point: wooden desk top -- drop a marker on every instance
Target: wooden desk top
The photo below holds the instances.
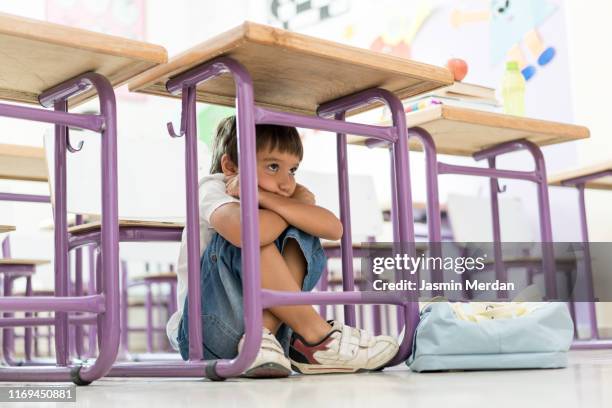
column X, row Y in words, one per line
column 7, row 228
column 19, row 261
column 463, row 132
column 603, row 183
column 294, row 72
column 22, row 162
column 420, row 246
column 92, row 226
column 156, row 276
column 37, row 55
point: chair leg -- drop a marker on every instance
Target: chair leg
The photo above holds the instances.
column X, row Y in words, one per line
column 323, row 287
column 124, row 309
column 28, row 330
column 149, row 314
column 35, row 339
column 78, row 290
column 91, row 288
column 99, row 289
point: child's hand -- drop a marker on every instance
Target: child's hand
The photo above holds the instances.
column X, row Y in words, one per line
column 232, row 186
column 303, row 195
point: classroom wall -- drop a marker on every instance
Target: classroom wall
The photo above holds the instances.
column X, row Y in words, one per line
column 566, row 92
column 588, row 29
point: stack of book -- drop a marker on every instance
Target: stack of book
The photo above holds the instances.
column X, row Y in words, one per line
column 459, row 94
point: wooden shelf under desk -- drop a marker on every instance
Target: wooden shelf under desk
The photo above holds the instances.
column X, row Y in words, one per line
column 19, row 261
column 294, row 72
column 602, row 183
column 37, row 55
column 155, row 277
column 23, row 163
column 370, row 246
column 93, row 226
column 7, row 228
column 463, row 132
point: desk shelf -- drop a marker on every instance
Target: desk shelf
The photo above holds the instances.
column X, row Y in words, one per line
column 602, row 183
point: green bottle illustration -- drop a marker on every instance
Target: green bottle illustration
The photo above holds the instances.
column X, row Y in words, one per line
column 513, row 90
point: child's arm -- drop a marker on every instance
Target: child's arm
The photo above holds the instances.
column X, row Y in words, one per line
column 226, row 221
column 301, row 213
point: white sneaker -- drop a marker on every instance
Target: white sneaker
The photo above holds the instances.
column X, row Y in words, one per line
column 344, row 350
column 271, row 361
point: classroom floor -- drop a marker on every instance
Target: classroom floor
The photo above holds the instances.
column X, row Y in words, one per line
column 587, row 382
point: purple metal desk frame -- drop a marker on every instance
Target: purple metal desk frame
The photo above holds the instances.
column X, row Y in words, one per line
column 75, row 337
column 336, row 252
column 150, row 303
column 126, row 234
column 106, row 302
column 9, row 274
column 538, row 176
column 255, row 298
column 594, row 342
column 8, row 334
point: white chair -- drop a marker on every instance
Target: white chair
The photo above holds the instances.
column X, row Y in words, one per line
column 151, row 201
column 366, row 225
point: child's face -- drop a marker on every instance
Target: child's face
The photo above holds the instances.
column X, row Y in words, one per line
column 276, row 171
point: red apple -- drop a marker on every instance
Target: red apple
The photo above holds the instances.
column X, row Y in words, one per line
column 458, row 67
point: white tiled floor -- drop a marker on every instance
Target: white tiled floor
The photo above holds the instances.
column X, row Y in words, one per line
column 587, row 382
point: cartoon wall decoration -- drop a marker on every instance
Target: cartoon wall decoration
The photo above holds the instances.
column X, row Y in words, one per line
column 401, row 30
column 513, row 24
column 124, row 18
column 296, row 14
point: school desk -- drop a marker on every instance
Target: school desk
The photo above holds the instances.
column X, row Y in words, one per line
column 485, row 135
column 595, row 177
column 57, row 67
column 284, row 78
column 23, row 163
column 12, row 269
column 6, row 228
column 170, row 305
column 20, row 163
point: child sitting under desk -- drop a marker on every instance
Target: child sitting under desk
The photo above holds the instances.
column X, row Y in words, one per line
column 292, row 259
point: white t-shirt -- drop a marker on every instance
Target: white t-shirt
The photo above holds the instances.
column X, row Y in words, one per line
column 212, row 196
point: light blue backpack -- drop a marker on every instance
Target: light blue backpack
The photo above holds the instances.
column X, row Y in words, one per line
column 491, row 336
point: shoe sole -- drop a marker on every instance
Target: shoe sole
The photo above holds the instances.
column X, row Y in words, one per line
column 267, row 370
column 313, row 369
column 332, row 369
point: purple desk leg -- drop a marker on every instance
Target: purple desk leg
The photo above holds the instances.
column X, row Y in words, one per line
column 28, row 330
column 323, row 287
column 124, row 350
column 78, row 289
column 60, row 260
column 91, row 288
column 149, row 314
column 402, row 197
column 8, row 333
column 594, row 342
column 348, row 275
column 500, row 270
column 106, row 304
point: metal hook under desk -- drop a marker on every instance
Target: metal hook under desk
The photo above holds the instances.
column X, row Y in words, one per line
column 184, row 108
column 69, row 146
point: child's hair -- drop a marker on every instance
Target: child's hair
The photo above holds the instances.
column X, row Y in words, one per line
column 283, row 138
